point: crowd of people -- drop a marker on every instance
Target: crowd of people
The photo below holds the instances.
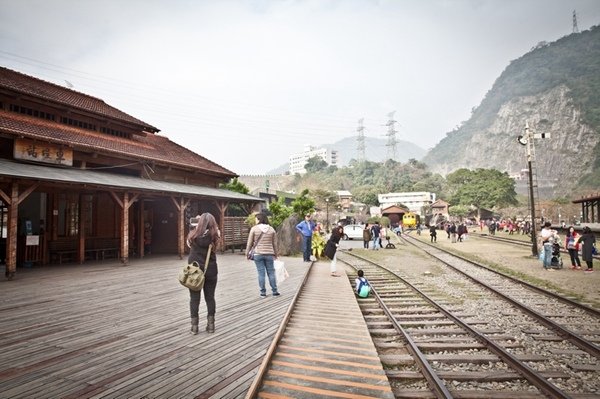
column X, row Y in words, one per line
column 262, row 248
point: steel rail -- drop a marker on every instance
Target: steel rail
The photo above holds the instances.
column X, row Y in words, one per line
column 513, row 241
column 527, row 372
column 589, row 309
column 254, row 388
column 435, row 382
column 565, row 333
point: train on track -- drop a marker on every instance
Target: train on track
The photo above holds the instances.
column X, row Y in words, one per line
column 410, row 220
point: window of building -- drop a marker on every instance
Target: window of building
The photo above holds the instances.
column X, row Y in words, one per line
column 3, row 220
column 31, row 112
column 68, row 215
column 77, row 123
column 114, row 132
column 88, row 210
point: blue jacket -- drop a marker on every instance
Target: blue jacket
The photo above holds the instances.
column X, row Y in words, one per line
column 306, row 228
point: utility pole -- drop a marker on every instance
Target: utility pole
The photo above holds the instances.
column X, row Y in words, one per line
column 361, row 140
column 391, row 144
column 527, row 140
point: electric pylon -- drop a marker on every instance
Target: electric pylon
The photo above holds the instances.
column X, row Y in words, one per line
column 391, row 143
column 361, row 140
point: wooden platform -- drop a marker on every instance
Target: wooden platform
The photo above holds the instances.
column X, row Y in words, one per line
column 102, row 330
column 326, row 349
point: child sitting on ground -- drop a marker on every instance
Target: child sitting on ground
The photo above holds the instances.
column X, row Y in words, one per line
column 362, row 286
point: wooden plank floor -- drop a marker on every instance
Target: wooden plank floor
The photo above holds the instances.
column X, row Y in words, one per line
column 102, row 330
column 326, row 349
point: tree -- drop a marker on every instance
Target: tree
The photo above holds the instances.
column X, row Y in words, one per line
column 367, row 195
column 279, row 212
column 238, row 187
column 235, row 185
column 315, row 164
column 483, row 188
column 303, row 204
column 459, row 211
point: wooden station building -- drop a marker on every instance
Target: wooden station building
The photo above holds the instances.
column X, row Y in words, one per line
column 590, row 208
column 80, row 180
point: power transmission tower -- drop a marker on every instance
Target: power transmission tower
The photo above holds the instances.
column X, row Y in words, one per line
column 575, row 28
column 361, row 140
column 391, row 143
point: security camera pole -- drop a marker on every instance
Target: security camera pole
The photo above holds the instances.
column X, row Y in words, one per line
column 527, row 140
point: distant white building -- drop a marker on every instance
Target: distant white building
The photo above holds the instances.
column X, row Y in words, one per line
column 297, row 161
column 414, row 201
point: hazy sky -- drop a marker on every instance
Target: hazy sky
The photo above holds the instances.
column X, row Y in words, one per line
column 247, row 83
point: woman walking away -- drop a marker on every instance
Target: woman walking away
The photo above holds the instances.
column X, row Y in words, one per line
column 433, row 233
column 199, row 240
column 263, row 239
column 573, row 247
column 331, row 248
column 589, row 241
column 366, row 236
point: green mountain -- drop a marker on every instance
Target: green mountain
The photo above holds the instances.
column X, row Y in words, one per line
column 554, row 88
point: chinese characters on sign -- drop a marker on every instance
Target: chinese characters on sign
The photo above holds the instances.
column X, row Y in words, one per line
column 43, row 152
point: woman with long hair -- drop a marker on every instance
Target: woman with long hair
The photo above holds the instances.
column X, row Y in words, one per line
column 332, row 245
column 199, row 239
column 588, row 240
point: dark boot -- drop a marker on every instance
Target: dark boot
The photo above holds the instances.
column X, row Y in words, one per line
column 210, row 324
column 194, row 325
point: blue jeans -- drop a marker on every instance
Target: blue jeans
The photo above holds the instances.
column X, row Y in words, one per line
column 547, row 255
column 376, row 242
column 306, row 247
column 264, row 263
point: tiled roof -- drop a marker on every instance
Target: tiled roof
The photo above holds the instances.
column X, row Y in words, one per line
column 35, row 87
column 150, row 147
column 74, row 175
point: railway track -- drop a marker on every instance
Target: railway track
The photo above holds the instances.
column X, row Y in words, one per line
column 518, row 242
column 538, row 342
column 456, row 330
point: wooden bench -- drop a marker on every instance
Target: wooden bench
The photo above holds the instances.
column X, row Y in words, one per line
column 101, row 248
column 62, row 250
column 95, row 248
column 235, row 232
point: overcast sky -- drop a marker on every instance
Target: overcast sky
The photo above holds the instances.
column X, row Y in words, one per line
column 247, row 83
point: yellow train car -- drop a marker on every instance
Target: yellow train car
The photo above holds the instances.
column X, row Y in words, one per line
column 410, row 220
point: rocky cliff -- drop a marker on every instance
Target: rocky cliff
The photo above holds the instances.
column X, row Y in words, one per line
column 550, row 90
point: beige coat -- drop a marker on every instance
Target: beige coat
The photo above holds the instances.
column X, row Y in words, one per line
column 268, row 242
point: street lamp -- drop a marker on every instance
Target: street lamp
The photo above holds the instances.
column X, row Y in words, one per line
column 327, row 214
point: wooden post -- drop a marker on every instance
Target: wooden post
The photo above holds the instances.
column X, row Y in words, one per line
column 81, row 232
column 13, row 202
column 11, row 242
column 141, row 231
column 124, row 224
column 222, row 207
column 180, row 206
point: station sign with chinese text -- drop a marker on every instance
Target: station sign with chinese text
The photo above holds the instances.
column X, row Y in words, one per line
column 36, row 151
